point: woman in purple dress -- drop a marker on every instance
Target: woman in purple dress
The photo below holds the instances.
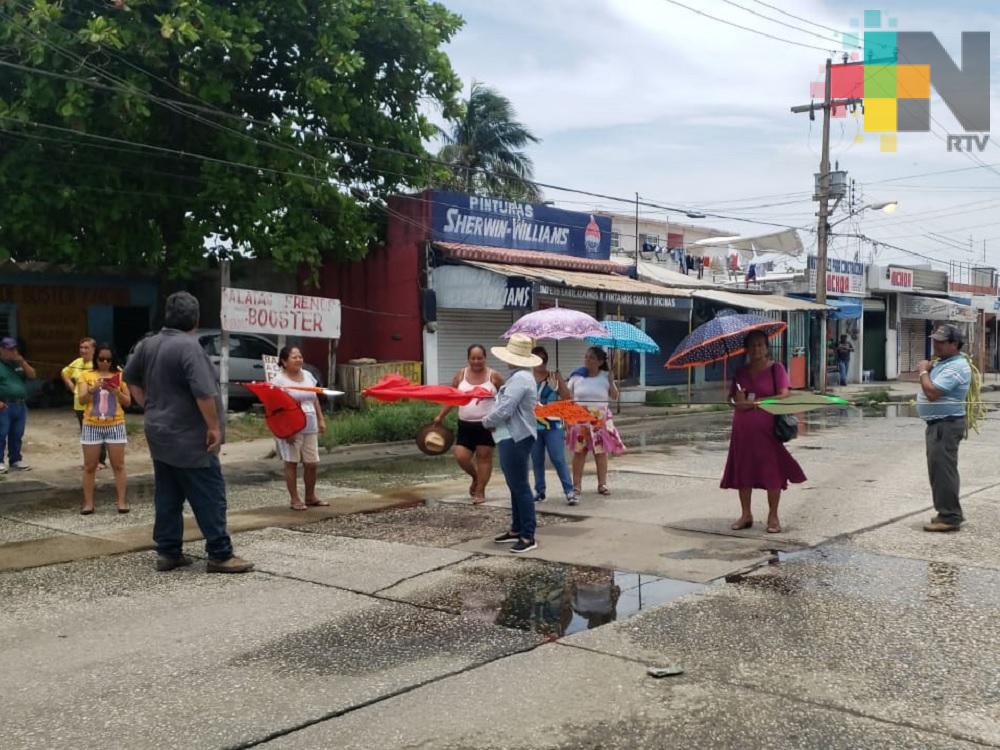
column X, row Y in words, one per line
column 756, row 459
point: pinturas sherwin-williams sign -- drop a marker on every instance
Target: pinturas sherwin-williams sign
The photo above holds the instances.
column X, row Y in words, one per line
column 515, row 225
column 250, row 311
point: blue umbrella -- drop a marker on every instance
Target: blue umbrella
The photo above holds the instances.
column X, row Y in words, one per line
column 624, row 336
column 721, row 338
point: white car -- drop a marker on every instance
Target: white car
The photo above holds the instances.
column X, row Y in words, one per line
column 245, row 363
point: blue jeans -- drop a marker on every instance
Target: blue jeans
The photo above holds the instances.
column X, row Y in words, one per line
column 514, row 464
column 205, row 490
column 842, row 368
column 13, row 419
column 553, row 441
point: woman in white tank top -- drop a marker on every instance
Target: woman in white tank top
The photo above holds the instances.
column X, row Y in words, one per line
column 474, row 443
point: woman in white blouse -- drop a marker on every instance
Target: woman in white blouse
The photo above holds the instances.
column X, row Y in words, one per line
column 592, row 387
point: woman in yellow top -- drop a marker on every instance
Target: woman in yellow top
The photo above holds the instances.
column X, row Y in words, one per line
column 71, row 376
column 104, row 396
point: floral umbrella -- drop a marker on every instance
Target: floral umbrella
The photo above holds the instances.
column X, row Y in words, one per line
column 557, row 323
column 624, row 337
column 721, row 338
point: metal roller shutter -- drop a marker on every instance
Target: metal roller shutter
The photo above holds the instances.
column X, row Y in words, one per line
column 913, row 344
column 457, row 330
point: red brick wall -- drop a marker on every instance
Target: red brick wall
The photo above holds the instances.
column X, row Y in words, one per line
column 380, row 295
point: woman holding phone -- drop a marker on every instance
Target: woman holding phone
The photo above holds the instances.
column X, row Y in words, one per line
column 104, row 397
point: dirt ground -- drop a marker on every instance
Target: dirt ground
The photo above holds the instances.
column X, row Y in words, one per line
column 52, row 445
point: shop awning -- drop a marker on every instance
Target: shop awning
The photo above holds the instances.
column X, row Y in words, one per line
column 600, row 287
column 841, row 308
column 934, row 308
column 766, row 302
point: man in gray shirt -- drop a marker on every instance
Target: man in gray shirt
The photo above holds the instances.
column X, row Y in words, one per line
column 171, row 376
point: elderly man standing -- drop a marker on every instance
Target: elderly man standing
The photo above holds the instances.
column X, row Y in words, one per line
column 14, row 371
column 172, row 377
column 941, row 404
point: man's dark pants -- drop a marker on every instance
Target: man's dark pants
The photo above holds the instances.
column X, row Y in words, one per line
column 205, row 490
column 514, row 458
column 942, row 438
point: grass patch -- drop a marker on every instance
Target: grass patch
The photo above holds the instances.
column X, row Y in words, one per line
column 663, row 397
column 384, row 423
column 876, row 397
column 247, row 426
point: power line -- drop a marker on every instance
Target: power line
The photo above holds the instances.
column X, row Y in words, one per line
column 747, row 28
column 797, row 18
column 782, row 23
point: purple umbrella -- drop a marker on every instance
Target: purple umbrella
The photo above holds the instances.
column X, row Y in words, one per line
column 557, row 323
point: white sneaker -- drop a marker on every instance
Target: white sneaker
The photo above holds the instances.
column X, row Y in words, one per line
column 573, row 498
column 20, row 466
column 3, row 468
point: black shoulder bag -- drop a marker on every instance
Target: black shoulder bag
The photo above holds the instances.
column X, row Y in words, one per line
column 786, row 427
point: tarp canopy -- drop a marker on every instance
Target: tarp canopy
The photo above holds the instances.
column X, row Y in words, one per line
column 842, row 308
column 786, row 242
column 765, row 302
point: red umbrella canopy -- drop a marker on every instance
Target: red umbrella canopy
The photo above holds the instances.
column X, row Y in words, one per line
column 282, row 413
column 396, row 388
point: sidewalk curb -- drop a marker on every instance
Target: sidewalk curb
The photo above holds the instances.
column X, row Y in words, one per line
column 236, row 473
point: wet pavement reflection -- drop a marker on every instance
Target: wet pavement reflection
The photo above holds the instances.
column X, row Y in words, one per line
column 558, row 600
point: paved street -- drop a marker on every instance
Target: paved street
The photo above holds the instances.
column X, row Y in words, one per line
column 406, row 627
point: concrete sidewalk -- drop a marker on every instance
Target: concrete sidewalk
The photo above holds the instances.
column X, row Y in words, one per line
column 409, row 628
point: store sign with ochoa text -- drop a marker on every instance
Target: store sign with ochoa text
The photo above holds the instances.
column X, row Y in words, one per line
column 513, row 225
column 843, row 277
column 250, row 311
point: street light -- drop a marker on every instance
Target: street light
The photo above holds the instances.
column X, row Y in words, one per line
column 886, row 207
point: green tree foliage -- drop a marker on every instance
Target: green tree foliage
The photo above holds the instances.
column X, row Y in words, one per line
column 279, row 97
column 485, row 149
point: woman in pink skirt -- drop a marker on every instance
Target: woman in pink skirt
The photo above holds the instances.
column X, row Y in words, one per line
column 592, row 387
column 756, row 459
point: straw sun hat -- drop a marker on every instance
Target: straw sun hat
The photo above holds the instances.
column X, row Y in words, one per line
column 435, row 439
column 517, row 353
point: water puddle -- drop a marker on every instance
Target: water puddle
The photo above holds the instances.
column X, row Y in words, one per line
column 558, row 600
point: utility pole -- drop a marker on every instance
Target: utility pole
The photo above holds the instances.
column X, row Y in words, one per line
column 823, row 229
column 637, row 235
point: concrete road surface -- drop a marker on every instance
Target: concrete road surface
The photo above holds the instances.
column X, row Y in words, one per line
column 407, row 627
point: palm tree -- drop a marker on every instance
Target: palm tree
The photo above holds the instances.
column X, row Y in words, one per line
column 484, row 149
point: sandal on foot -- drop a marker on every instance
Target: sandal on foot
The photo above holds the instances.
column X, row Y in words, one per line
column 478, row 499
column 86, row 511
column 299, row 506
column 740, row 525
column 602, row 489
column 317, row 503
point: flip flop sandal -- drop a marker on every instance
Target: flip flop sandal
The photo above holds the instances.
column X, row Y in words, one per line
column 478, row 500
column 302, row 506
column 602, row 489
column 318, row 504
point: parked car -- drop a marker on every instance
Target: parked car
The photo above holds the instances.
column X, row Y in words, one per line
column 245, row 363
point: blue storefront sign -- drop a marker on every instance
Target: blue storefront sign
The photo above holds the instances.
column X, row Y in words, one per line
column 494, row 222
column 517, row 294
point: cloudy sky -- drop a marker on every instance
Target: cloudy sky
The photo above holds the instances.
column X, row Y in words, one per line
column 647, row 96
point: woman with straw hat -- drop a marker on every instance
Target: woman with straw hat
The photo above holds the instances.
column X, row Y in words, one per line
column 512, row 421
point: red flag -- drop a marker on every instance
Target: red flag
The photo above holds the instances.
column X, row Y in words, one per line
column 396, row 388
column 282, row 413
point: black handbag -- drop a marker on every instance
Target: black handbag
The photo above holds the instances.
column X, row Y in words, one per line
column 786, row 427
